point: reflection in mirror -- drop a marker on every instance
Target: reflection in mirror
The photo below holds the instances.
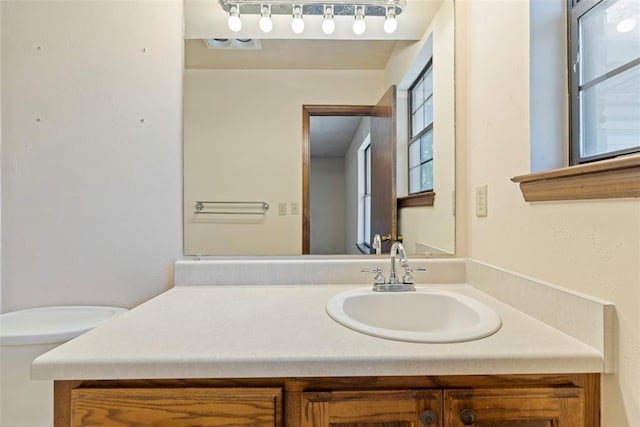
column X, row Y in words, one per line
column 361, row 200
column 339, row 183
column 243, row 130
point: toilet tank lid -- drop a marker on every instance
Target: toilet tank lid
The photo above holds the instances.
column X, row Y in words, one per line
column 54, row 324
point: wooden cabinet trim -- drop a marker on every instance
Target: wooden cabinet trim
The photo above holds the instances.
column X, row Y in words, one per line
column 607, row 179
column 307, row 112
column 368, row 408
column 157, row 406
column 351, row 383
column 293, row 389
column 355, row 395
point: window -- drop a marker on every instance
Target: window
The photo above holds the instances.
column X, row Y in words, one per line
column 421, row 132
column 604, row 88
column 365, row 221
column 604, row 44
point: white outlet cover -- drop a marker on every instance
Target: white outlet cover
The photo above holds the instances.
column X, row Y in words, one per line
column 481, row 201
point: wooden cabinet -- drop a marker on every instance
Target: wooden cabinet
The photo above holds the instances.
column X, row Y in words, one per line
column 561, row 400
column 522, row 407
column 529, row 407
column 384, row 408
column 173, row 407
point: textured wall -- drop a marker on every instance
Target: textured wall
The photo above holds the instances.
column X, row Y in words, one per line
column 588, row 246
column 91, row 129
column 327, row 202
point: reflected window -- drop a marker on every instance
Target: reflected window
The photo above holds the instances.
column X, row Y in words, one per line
column 365, row 220
column 421, row 132
column 605, row 78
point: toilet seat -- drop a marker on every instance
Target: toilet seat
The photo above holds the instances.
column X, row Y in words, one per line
column 54, row 324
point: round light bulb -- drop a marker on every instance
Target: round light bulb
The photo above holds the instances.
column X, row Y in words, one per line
column 266, row 24
column 359, row 26
column 626, row 25
column 390, row 24
column 328, row 25
column 234, row 22
column 297, row 24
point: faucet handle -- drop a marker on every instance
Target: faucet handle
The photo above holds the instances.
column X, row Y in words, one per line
column 408, row 277
column 377, row 244
column 379, row 278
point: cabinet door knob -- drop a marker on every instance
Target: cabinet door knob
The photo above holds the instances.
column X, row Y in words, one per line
column 468, row 417
column 428, row 418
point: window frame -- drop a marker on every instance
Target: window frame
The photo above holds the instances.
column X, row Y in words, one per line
column 612, row 178
column 576, row 9
column 429, row 128
column 366, row 194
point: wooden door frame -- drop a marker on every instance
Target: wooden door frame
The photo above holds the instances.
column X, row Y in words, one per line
column 307, row 112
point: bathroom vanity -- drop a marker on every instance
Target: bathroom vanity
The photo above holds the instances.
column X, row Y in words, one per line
column 489, row 400
column 269, row 355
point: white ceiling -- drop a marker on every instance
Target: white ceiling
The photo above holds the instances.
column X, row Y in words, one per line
column 295, row 54
column 330, row 136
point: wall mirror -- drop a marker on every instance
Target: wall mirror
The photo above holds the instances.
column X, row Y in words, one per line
column 247, row 97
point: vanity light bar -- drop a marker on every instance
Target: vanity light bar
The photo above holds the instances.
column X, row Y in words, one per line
column 388, row 9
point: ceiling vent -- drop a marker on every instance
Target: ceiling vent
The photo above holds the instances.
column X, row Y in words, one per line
column 235, row 44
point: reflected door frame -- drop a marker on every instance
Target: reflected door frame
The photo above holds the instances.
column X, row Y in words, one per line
column 307, row 112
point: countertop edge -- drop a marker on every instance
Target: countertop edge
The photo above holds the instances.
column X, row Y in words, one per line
column 84, row 358
column 337, row 368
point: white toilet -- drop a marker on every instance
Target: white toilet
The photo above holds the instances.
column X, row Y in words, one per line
column 25, row 335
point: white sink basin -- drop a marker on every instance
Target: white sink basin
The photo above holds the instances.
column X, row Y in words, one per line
column 427, row 315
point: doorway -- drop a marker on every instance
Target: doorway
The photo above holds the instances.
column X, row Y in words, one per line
column 327, row 177
column 383, row 211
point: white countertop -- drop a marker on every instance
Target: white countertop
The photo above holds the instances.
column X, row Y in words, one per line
column 284, row 331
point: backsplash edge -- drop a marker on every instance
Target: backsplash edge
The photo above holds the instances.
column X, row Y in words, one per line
column 585, row 318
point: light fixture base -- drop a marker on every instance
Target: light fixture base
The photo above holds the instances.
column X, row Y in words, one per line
column 316, row 7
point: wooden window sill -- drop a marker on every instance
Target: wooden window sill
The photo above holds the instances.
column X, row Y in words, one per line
column 606, row 179
column 421, row 199
column 364, row 248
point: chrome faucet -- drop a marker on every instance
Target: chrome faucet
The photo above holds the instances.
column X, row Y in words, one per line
column 394, row 284
column 395, row 249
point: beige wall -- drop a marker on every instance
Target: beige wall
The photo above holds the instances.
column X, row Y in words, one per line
column 433, row 226
column 1, row 80
column 327, row 204
column 588, row 246
column 242, row 141
column 90, row 194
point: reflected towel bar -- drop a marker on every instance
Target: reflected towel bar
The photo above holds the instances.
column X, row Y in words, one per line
column 232, row 208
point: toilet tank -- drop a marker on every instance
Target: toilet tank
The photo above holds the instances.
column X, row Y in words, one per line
column 25, row 335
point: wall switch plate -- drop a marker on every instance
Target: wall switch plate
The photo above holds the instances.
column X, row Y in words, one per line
column 282, row 208
column 453, row 202
column 481, row 201
column 295, row 208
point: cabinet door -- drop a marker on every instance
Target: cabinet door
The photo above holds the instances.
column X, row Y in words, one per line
column 545, row 407
column 403, row 408
column 172, row 407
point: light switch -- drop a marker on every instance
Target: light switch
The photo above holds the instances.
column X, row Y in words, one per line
column 282, row 208
column 481, row 201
